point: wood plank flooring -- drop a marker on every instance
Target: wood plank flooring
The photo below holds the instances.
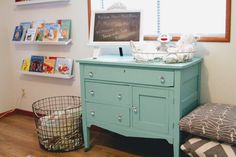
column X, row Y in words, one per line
column 18, row 138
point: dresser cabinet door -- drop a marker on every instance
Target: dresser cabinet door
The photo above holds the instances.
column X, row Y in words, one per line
column 151, row 110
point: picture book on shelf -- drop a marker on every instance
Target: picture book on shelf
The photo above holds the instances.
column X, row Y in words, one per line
column 36, row 63
column 38, row 23
column 51, row 31
column 65, row 29
column 31, row 34
column 26, row 26
column 49, row 64
column 64, row 66
column 18, row 33
column 39, row 34
column 25, row 64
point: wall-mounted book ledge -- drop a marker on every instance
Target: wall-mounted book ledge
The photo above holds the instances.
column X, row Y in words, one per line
column 43, row 42
column 47, row 75
column 31, row 2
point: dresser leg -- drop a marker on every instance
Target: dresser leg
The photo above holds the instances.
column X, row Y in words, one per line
column 86, row 133
column 176, row 145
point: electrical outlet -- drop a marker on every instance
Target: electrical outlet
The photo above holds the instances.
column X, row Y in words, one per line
column 22, row 92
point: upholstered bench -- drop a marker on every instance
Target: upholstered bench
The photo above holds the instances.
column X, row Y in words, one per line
column 215, row 126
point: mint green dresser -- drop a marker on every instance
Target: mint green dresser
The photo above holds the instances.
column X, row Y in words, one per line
column 138, row 99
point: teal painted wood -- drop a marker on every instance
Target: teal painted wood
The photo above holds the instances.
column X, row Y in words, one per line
column 129, row 61
column 151, row 110
column 112, row 94
column 127, row 74
column 138, row 99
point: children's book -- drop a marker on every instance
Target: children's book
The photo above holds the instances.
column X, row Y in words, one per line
column 26, row 26
column 36, row 63
column 39, row 35
column 51, row 31
column 65, row 29
column 18, row 33
column 38, row 24
column 25, row 64
column 31, row 34
column 64, row 66
column 49, row 64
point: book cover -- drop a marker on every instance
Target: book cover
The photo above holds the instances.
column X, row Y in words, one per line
column 64, row 66
column 26, row 26
column 49, row 64
column 25, row 64
column 31, row 34
column 38, row 24
column 51, row 31
column 36, row 63
column 65, row 29
column 18, row 33
column 39, row 34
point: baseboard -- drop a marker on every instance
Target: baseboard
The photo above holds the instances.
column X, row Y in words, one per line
column 7, row 113
column 24, row 112
column 16, row 111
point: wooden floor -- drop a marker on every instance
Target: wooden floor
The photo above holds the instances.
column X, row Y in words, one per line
column 18, row 138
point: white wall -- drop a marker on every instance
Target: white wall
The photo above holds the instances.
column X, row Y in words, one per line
column 218, row 70
column 40, row 87
column 6, row 98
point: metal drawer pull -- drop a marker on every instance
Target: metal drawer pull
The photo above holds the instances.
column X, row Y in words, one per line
column 120, row 118
column 92, row 92
column 135, row 110
column 90, row 74
column 119, row 96
column 162, row 79
column 92, row 113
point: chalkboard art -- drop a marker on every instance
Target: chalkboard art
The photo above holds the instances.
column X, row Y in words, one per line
column 120, row 27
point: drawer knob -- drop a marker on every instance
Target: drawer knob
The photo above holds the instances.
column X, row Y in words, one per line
column 119, row 96
column 135, row 110
column 162, row 79
column 92, row 113
column 92, row 92
column 120, row 118
column 90, row 74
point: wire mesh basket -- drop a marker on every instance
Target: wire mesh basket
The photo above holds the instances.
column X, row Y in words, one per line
column 59, row 123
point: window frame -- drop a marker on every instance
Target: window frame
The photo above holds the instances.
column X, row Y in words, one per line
column 226, row 38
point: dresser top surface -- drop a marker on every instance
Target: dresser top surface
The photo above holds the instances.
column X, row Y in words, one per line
column 129, row 61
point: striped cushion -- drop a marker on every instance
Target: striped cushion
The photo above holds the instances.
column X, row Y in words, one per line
column 197, row 147
column 213, row 121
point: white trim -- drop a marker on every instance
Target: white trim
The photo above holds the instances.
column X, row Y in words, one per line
column 47, row 75
column 43, row 42
column 30, row 2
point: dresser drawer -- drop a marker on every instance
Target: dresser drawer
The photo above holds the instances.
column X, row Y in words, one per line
column 108, row 114
column 107, row 93
column 133, row 75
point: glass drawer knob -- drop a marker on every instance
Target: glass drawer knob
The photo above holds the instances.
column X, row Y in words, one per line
column 92, row 113
column 135, row 110
column 119, row 96
column 92, row 92
column 119, row 118
column 91, row 74
column 162, row 79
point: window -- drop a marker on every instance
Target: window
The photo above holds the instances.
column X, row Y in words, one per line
column 208, row 18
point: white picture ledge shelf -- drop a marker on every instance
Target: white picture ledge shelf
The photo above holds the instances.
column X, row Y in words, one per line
column 47, row 75
column 31, row 2
column 43, row 42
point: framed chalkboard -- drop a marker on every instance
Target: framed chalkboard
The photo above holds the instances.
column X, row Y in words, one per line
column 115, row 27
